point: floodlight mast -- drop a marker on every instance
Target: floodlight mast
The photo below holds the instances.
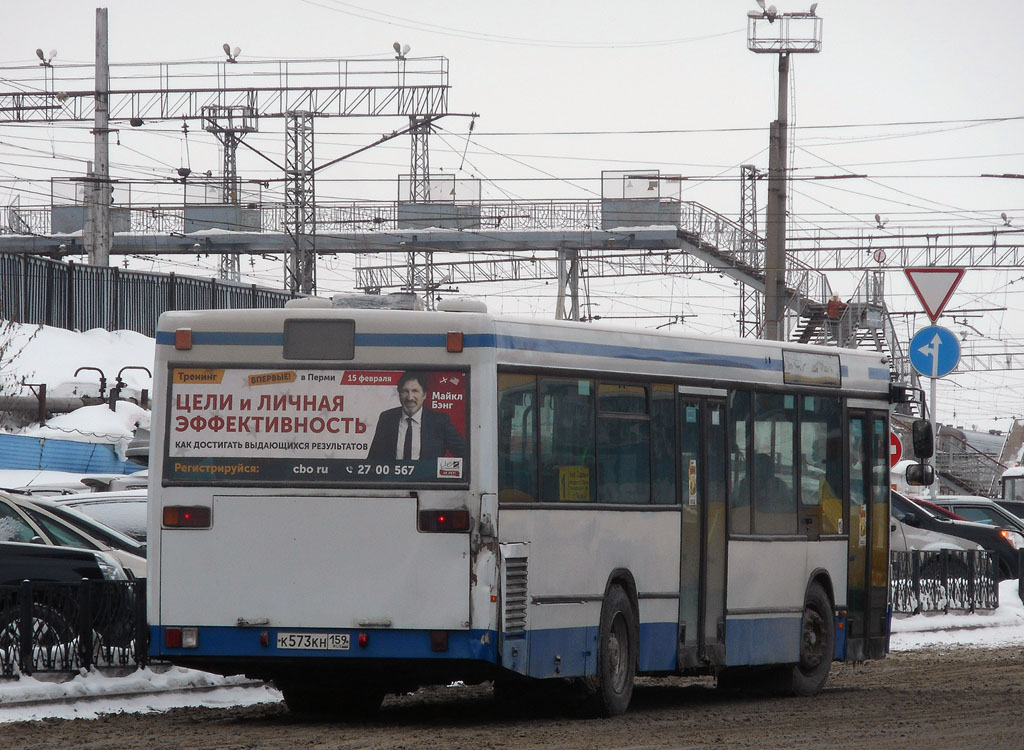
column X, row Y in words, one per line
column 769, row 31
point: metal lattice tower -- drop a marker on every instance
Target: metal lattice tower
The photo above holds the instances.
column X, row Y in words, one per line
column 751, row 308
column 568, row 304
column 300, row 203
column 230, row 124
column 419, row 275
column 420, row 265
column 419, row 162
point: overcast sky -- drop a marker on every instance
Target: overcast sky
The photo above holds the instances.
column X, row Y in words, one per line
column 922, row 97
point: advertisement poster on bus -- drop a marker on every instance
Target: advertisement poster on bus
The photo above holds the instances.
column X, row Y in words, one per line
column 242, row 425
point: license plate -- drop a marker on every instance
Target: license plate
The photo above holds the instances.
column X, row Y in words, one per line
column 314, row 641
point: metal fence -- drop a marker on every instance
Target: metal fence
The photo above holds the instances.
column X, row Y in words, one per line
column 64, row 627
column 41, row 290
column 943, row 580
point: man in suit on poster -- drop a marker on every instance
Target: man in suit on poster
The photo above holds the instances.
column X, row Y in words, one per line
column 411, row 432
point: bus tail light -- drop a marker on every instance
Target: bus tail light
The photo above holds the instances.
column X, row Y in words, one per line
column 183, row 339
column 438, row 640
column 444, row 520
column 454, row 341
column 181, row 638
column 187, row 517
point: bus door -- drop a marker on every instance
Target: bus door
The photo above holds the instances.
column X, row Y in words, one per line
column 868, row 524
column 703, row 541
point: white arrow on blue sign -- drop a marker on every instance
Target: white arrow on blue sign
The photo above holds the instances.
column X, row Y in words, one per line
column 934, row 351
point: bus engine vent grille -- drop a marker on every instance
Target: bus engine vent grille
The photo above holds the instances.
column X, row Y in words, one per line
column 515, row 594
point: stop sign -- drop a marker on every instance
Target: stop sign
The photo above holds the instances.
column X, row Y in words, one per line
column 895, row 449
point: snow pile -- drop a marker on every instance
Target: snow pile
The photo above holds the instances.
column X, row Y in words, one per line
column 44, row 354
column 94, row 424
column 92, row 694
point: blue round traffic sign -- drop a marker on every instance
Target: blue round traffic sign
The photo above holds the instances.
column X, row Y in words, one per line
column 934, row 351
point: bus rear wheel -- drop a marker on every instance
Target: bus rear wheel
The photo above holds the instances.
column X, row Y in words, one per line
column 817, row 644
column 618, row 642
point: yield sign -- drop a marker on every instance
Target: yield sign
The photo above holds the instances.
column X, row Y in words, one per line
column 934, row 287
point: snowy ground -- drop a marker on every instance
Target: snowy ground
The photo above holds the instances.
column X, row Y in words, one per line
column 91, row 695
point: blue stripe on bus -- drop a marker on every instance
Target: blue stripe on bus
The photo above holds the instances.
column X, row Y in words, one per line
column 522, row 343
column 762, row 640
column 489, row 341
column 572, row 652
column 556, row 652
column 514, row 343
column 224, row 338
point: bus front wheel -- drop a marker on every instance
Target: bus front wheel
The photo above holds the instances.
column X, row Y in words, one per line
column 618, row 641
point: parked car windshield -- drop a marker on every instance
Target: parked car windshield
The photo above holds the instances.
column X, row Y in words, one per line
column 125, row 513
column 92, row 527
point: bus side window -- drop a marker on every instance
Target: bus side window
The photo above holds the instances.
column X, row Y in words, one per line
column 821, row 462
column 517, row 437
column 739, row 471
column 623, row 444
column 774, row 466
column 566, row 426
column 663, row 442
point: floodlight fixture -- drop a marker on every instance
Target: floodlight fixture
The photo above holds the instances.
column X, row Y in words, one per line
column 45, row 60
column 231, row 53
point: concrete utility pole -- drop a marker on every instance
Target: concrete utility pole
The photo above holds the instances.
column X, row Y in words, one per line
column 775, row 220
column 784, row 34
column 99, row 235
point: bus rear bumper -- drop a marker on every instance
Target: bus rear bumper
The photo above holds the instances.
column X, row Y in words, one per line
column 234, row 643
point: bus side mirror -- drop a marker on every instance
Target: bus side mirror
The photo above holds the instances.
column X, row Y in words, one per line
column 924, row 445
column 920, row 475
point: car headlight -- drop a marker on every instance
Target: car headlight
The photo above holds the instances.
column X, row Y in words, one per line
column 1015, row 538
column 112, row 570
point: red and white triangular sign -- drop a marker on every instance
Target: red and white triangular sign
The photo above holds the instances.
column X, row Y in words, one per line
column 934, row 287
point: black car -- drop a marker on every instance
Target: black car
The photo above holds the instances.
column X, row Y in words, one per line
column 980, row 509
column 1014, row 506
column 1004, row 542
column 55, row 573
column 22, row 561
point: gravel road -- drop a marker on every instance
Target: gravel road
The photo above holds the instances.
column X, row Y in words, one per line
column 934, row 699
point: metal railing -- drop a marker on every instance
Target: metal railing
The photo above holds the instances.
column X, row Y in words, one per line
column 973, row 470
column 943, row 580
column 40, row 290
column 65, row 627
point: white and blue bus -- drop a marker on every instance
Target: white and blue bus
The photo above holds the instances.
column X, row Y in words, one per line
column 574, row 502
